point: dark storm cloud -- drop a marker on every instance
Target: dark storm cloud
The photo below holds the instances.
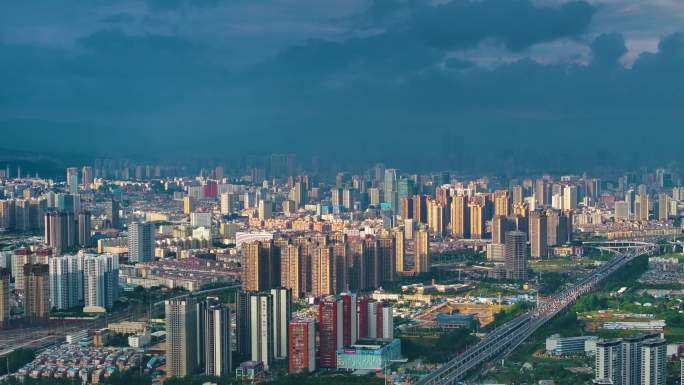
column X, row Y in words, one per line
column 518, row 24
column 172, row 5
column 145, row 79
column 461, row 23
column 422, row 39
column 380, row 9
column 670, row 49
column 119, row 18
column 607, row 49
column 116, row 43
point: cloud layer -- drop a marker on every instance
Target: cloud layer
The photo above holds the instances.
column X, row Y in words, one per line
column 404, row 81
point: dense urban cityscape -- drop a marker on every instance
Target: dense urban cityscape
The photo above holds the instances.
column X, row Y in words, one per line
column 342, row 192
column 264, row 273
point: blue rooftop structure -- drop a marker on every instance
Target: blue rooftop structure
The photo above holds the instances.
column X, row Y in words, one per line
column 456, row 321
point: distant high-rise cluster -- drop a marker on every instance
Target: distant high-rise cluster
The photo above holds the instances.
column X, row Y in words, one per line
column 266, row 331
column 87, row 280
column 316, row 251
column 323, row 265
column 64, row 231
column 22, row 214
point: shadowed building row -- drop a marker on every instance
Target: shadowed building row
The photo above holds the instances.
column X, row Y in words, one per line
column 321, row 265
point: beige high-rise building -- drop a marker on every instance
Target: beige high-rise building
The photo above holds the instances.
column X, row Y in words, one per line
column 399, row 249
column 517, row 194
column 553, row 221
column 663, row 207
column 299, row 194
column 36, row 292
column 420, row 208
column 570, row 197
column 181, row 337
column 429, row 203
column 259, row 266
column 500, row 225
column 349, row 198
column 477, row 219
column 538, row 234
column 4, row 297
column 541, row 192
column 644, row 203
column 406, row 208
column 435, row 217
column 322, row 271
column 460, row 217
column 422, row 246
column 226, row 201
column 502, row 202
column 18, row 262
column 252, row 266
column 265, row 209
column 374, row 196
column 290, row 269
column 336, row 197
column 188, row 205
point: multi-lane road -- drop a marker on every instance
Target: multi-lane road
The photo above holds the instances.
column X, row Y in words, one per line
column 507, row 337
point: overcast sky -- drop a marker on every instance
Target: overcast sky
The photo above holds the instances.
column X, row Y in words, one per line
column 382, row 79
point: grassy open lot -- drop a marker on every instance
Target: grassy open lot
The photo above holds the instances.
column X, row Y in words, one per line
column 555, row 264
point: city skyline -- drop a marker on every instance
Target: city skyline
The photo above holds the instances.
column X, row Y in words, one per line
column 405, row 192
column 341, row 272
